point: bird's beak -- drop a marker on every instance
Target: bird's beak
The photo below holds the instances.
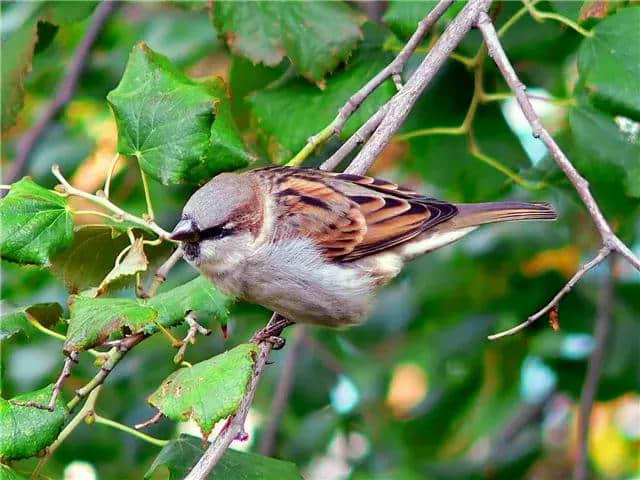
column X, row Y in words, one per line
column 185, row 230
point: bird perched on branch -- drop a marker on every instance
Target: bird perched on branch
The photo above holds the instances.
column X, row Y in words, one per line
column 314, row 246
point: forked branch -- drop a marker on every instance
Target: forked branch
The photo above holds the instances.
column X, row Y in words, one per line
column 610, row 242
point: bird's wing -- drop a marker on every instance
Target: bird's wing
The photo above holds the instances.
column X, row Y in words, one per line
column 349, row 216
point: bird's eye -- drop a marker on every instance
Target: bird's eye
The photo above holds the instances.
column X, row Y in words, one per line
column 213, row 233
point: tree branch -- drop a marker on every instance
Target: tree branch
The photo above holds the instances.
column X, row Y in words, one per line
column 106, row 203
column 400, row 105
column 393, row 70
column 235, row 425
column 267, row 443
column 610, row 242
column 449, row 40
column 599, row 258
column 594, row 369
column 65, row 91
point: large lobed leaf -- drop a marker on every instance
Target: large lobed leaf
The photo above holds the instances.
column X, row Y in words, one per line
column 208, row 391
column 18, row 46
column 94, row 320
column 609, row 62
column 283, row 135
column 199, row 295
column 24, row 431
column 180, row 455
column 36, row 223
column 316, row 36
column 180, row 130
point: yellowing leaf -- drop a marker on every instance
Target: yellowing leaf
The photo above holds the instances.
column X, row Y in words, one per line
column 407, row 389
column 565, row 260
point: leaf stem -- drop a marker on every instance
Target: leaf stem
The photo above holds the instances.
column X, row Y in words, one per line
column 96, row 213
column 131, row 431
column 86, row 410
column 540, row 16
column 112, row 167
column 38, row 326
column 321, row 137
column 104, row 202
column 147, row 192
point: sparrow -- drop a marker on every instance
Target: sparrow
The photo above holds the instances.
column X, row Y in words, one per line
column 315, row 246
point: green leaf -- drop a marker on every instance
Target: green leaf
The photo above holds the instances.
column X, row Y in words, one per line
column 183, row 36
column 403, row 17
column 180, row 455
column 27, row 430
column 227, row 146
column 94, row 320
column 198, row 295
column 90, row 258
column 167, row 121
column 208, row 391
column 246, row 77
column 284, row 135
column 36, row 223
column 7, row 473
column 17, row 53
column 316, row 36
column 18, row 46
column 46, row 314
column 606, row 143
column 134, row 261
column 609, row 63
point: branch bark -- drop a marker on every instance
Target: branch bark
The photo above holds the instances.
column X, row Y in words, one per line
column 440, row 52
column 594, row 369
column 235, row 427
column 402, row 103
column 393, row 70
column 610, row 242
column 281, row 397
column 66, row 89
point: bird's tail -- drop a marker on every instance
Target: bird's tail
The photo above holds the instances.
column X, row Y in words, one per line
column 472, row 214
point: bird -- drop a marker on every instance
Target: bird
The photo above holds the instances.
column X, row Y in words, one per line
column 316, row 246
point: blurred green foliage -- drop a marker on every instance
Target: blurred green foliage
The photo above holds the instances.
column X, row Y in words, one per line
column 416, row 392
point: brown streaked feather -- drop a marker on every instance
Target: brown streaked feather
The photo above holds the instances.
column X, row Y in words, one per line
column 350, row 216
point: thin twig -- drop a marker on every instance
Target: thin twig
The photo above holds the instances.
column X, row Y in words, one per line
column 594, row 368
column 400, row 105
column 65, row 91
column 555, row 301
column 356, row 139
column 106, row 203
column 86, row 410
column 283, row 391
column 114, row 356
column 162, row 272
column 235, row 425
column 66, row 371
column 609, row 239
column 610, row 242
column 194, row 329
column 151, row 421
column 393, row 70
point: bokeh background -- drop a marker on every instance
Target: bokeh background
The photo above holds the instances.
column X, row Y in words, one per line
column 418, row 391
